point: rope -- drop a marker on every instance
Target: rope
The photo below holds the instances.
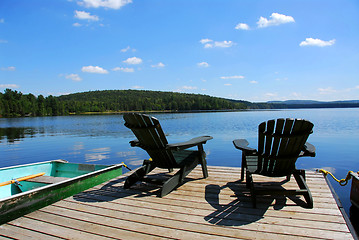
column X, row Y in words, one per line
column 126, row 166
column 130, row 168
column 343, row 181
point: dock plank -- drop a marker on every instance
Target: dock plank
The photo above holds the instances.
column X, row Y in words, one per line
column 218, row 207
column 14, row 232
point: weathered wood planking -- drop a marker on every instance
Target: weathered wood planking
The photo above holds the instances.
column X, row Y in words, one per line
column 218, row 207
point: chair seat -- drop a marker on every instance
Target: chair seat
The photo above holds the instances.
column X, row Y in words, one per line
column 252, row 167
column 183, row 157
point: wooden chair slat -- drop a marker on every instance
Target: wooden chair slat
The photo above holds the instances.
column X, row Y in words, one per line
column 276, row 142
column 261, row 140
column 268, row 145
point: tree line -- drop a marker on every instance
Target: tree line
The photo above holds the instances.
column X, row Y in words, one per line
column 16, row 104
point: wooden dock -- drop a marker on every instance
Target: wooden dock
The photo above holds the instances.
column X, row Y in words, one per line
column 218, row 207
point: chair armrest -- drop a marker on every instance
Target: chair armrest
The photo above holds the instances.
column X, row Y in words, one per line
column 242, row 144
column 308, row 150
column 135, row 143
column 188, row 144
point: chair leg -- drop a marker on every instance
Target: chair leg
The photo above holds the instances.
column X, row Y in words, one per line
column 299, row 176
column 250, row 185
column 248, row 180
column 203, row 161
column 177, row 179
column 244, row 166
column 138, row 174
column 288, row 178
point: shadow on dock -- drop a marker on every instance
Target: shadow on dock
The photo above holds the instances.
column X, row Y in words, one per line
column 113, row 189
column 238, row 212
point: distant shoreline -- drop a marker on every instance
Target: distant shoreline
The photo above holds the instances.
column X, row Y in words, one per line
column 201, row 111
column 16, row 104
column 189, row 111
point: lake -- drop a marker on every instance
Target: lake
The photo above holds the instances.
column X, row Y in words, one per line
column 103, row 139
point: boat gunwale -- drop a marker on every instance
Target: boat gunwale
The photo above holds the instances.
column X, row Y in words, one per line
column 64, row 182
column 35, row 163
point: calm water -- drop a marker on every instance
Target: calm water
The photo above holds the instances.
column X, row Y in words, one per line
column 103, row 139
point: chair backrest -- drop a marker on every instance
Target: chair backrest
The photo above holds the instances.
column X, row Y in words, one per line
column 151, row 138
column 279, row 145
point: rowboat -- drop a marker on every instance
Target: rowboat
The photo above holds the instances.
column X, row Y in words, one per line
column 26, row 188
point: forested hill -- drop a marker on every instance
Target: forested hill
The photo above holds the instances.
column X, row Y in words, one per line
column 14, row 103
column 140, row 100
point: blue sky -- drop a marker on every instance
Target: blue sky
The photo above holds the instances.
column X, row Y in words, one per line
column 248, row 50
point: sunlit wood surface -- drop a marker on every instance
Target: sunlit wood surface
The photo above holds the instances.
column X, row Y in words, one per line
column 218, row 207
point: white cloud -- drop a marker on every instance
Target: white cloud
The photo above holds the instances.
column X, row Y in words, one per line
column 271, row 95
column 74, row 77
column 253, row 82
column 8, row 68
column 275, row 19
column 77, row 24
column 316, row 42
column 133, row 60
column 3, row 41
column 114, row 4
column 85, row 16
column 2, row 20
column 189, row 87
column 125, row 49
column 327, row 90
column 128, row 48
column 158, row 65
column 232, row 77
column 9, row 86
column 137, row 87
column 206, row 40
column 203, row 64
column 208, row 43
column 223, row 44
column 94, row 69
column 123, row 69
column 227, row 84
column 296, row 95
column 242, row 26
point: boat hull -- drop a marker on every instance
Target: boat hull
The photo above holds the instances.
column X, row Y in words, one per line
column 354, row 191
column 20, row 204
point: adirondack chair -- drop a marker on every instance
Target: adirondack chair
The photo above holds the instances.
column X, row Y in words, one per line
column 280, row 143
column 151, row 138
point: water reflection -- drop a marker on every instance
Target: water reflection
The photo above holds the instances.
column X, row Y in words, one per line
column 92, row 125
column 13, row 134
column 97, row 154
column 79, row 146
